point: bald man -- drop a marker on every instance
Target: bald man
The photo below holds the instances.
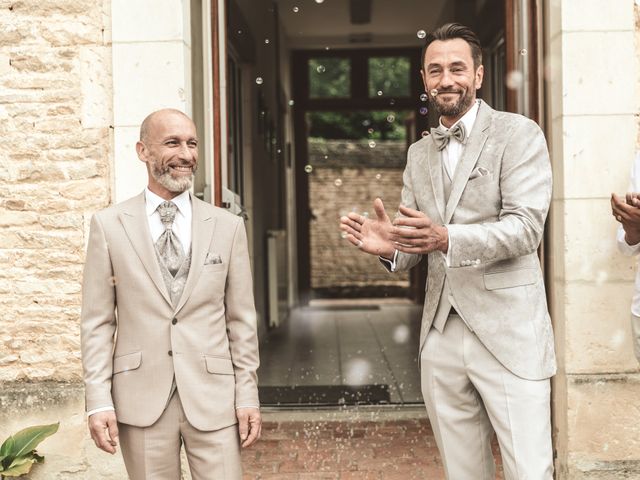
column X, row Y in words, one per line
column 169, row 337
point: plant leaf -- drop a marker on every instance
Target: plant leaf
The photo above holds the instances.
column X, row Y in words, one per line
column 19, row 469
column 28, row 439
column 6, row 447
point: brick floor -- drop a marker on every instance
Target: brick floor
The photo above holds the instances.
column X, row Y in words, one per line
column 342, row 449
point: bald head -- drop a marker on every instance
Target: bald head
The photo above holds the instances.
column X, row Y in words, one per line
column 157, row 118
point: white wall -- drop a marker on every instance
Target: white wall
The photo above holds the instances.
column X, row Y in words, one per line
column 151, row 70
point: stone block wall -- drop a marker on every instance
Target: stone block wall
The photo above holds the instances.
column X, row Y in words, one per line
column 55, row 117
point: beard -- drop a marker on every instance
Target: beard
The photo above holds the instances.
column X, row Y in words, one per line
column 162, row 174
column 465, row 100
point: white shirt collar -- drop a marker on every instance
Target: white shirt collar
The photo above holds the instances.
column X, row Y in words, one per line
column 182, row 201
column 468, row 119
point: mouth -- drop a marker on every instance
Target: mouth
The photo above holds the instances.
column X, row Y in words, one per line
column 181, row 169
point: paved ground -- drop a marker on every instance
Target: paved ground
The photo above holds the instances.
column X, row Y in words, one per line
column 345, row 445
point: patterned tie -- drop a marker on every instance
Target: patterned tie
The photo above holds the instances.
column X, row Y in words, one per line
column 442, row 137
column 168, row 245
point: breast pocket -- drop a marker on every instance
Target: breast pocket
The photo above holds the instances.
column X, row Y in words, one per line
column 214, row 267
column 479, row 181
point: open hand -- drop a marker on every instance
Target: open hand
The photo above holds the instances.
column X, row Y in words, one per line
column 370, row 235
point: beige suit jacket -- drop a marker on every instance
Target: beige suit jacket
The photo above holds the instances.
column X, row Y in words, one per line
column 134, row 341
column 495, row 216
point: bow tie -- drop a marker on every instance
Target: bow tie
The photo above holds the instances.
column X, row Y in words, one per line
column 442, row 137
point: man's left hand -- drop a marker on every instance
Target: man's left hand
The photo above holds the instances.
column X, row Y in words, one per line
column 627, row 213
column 249, row 425
column 422, row 236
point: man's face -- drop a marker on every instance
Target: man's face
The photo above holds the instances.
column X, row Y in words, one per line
column 448, row 67
column 170, row 151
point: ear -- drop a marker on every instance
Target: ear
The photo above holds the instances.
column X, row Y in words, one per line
column 141, row 150
column 479, row 76
column 424, row 79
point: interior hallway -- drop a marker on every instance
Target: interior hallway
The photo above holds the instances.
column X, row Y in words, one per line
column 339, row 352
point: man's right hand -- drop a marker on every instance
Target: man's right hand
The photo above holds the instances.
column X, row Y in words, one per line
column 370, row 235
column 103, row 427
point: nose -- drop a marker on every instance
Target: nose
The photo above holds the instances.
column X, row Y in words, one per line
column 185, row 152
column 446, row 80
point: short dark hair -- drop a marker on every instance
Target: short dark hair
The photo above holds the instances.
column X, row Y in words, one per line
column 449, row 31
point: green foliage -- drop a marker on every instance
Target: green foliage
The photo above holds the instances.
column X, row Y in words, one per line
column 389, row 76
column 18, row 454
column 374, row 125
column 329, row 78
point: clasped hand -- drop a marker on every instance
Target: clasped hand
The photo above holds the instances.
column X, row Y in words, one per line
column 627, row 212
column 413, row 232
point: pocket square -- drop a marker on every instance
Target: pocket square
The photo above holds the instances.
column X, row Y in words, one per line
column 479, row 172
column 212, row 259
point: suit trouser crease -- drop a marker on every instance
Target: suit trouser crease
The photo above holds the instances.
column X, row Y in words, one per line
column 469, row 395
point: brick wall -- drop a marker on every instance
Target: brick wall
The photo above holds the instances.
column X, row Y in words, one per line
column 343, row 180
column 55, row 116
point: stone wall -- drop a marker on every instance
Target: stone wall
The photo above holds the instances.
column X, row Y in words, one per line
column 55, row 117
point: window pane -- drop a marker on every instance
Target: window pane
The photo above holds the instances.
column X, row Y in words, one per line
column 389, row 77
column 329, row 77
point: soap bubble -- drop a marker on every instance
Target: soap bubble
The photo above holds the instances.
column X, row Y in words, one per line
column 401, row 334
column 338, row 182
column 370, row 131
column 319, row 1
column 434, row 92
column 266, row 41
column 424, row 111
column 291, row 103
column 308, row 168
column 320, row 69
column 357, row 372
column 259, row 80
column 421, row 34
column 523, row 51
column 391, row 118
column 296, row 9
column 372, row 144
column 424, row 97
column 378, row 176
column 514, row 80
column 380, row 93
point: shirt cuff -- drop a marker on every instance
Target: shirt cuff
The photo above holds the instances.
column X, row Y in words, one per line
column 391, row 263
column 247, row 406
column 101, row 409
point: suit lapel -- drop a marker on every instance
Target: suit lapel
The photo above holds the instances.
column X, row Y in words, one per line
column 468, row 159
column 434, row 159
column 202, row 226
column 135, row 223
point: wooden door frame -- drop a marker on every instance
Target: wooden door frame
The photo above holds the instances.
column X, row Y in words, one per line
column 217, row 34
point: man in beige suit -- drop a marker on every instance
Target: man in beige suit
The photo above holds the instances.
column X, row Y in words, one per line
column 169, row 342
column 475, row 197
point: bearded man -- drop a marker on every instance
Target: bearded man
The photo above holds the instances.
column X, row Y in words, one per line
column 168, row 323
column 475, row 198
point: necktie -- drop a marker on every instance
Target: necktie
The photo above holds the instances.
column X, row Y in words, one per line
column 168, row 245
column 442, row 137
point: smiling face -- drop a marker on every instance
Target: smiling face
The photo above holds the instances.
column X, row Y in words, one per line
column 169, row 147
column 449, row 69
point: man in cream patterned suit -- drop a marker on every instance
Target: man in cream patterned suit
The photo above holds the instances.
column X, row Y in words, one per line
column 169, row 341
column 475, row 197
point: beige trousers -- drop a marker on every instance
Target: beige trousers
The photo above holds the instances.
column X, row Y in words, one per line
column 469, row 395
column 153, row 453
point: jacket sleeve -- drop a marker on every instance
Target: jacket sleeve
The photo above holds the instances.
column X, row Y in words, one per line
column 97, row 320
column 242, row 321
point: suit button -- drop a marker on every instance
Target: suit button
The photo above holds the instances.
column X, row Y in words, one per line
column 170, row 353
column 174, row 321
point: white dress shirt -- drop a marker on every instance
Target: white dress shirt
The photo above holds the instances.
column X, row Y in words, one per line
column 450, row 157
column 623, row 246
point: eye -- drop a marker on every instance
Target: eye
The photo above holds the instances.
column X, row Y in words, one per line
column 171, row 143
column 192, row 144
